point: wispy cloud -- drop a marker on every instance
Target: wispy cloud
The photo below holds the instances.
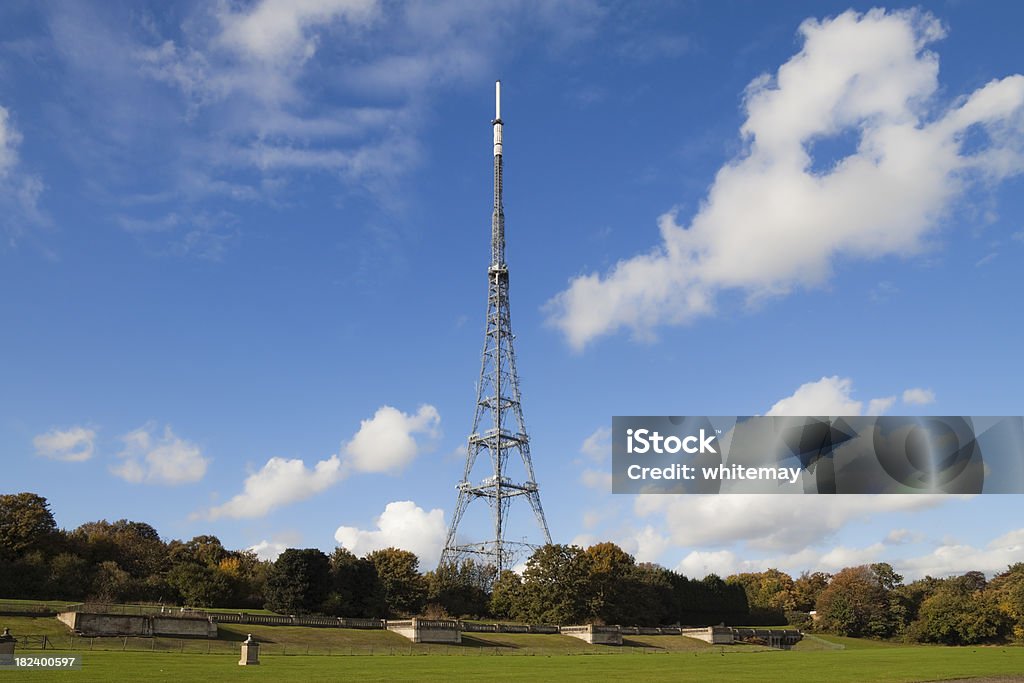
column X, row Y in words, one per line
column 19, row 189
column 75, row 444
column 235, row 101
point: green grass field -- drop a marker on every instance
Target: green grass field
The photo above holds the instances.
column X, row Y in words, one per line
column 888, row 664
column 321, row 654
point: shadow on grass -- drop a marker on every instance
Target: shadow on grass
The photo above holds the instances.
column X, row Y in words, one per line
column 470, row 641
column 626, row 642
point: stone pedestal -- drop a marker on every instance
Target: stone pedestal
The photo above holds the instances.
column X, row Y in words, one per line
column 7, row 647
column 250, row 652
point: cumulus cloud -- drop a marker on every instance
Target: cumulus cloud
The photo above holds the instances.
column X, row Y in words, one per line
column 769, row 522
column 159, row 459
column 828, row 396
column 700, row 563
column 945, row 559
column 70, row 445
column 773, row 220
column 268, row 550
column 280, row 482
column 386, row 442
column 957, row 558
column 880, row 406
column 403, row 524
column 918, row 397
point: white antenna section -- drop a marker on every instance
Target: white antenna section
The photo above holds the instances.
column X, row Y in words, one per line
column 497, row 118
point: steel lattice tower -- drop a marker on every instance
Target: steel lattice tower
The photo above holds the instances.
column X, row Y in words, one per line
column 498, row 426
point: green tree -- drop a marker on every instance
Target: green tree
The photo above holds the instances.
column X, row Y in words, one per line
column 612, row 592
column 886, row 576
column 807, row 588
column 355, row 587
column 26, row 524
column 70, row 577
column 405, row 590
column 200, row 585
column 769, row 593
column 247, row 576
column 112, row 584
column 1007, row 589
column 556, row 585
column 957, row 615
column 856, row 604
column 460, row 589
column 507, row 597
column 299, row 581
column 135, row 547
column 651, row 596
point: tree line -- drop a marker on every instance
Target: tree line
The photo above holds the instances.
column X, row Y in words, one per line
column 127, row 561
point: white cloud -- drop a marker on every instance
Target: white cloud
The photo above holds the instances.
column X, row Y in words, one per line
column 918, row 397
column 276, row 29
column 584, row 540
column 597, row 479
column 726, row 562
column 280, row 482
column 827, row 396
column 268, row 550
column 903, row 536
column 700, row 563
column 772, row 221
column 385, row 442
column 768, row 521
column 9, row 141
column 19, row 191
column 156, row 459
column 649, row 544
column 70, row 445
column 880, row 406
column 956, row 558
column 403, row 524
column 598, row 446
column 830, row 396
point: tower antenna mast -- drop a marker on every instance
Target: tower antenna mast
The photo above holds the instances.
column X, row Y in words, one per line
column 499, row 429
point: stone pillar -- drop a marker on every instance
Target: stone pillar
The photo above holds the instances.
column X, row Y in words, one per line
column 250, row 652
column 7, row 647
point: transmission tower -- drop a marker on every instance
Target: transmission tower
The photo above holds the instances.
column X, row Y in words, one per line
column 498, row 426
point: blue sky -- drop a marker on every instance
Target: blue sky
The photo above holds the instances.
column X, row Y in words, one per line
column 243, row 249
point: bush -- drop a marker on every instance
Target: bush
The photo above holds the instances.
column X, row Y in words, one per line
column 800, row 620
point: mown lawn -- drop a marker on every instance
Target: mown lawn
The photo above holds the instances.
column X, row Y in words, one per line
column 896, row 664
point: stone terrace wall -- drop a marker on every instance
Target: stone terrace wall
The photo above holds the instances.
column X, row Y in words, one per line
column 593, row 634
column 473, row 627
column 428, row 630
column 137, row 625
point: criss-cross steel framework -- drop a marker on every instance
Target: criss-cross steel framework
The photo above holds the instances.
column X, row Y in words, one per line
column 498, row 426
